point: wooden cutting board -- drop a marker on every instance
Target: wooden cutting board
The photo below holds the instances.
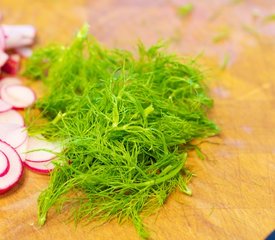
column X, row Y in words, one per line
column 233, row 193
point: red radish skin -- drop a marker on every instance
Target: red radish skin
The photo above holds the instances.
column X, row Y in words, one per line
column 18, row 96
column 4, row 106
column 15, row 172
column 11, row 116
column 12, row 64
column 4, row 164
column 40, row 167
column 41, row 150
column 13, row 134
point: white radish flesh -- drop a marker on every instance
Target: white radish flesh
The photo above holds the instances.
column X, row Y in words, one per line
column 18, row 35
column 9, row 81
column 22, row 150
column 13, row 134
column 41, row 150
column 18, row 96
column 11, row 116
column 3, row 58
column 4, row 106
column 4, row 164
column 40, row 167
column 15, row 171
column 2, row 38
column 24, row 51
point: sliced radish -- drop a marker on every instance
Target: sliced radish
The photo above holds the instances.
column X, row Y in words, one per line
column 2, row 38
column 4, row 106
column 9, row 81
column 13, row 134
column 18, row 35
column 22, row 150
column 12, row 65
column 18, row 96
column 15, row 171
column 11, row 116
column 4, row 164
column 15, row 57
column 40, row 167
column 41, row 150
column 24, row 51
column 3, row 58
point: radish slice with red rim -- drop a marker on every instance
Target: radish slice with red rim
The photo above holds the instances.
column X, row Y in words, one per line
column 4, row 106
column 22, row 150
column 11, row 116
column 18, row 35
column 40, row 167
column 18, row 96
column 15, row 171
column 9, row 81
column 13, row 134
column 41, row 150
column 4, row 164
column 12, row 65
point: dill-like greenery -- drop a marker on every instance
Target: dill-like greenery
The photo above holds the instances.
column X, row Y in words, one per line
column 126, row 124
column 186, row 9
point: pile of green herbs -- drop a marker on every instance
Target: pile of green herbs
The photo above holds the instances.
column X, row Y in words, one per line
column 126, row 123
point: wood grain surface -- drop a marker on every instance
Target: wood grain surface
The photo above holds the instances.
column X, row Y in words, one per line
column 233, row 193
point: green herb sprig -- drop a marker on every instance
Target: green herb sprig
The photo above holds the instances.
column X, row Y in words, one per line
column 126, row 124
